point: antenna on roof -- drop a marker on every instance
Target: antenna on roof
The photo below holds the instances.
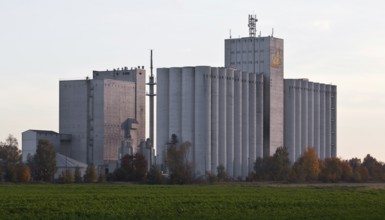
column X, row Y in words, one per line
column 272, row 32
column 151, row 65
column 252, row 25
column 230, row 33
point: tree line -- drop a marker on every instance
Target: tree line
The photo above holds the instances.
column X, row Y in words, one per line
column 308, row 168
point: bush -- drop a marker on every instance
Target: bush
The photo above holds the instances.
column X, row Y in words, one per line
column 211, row 178
column 90, row 175
column 155, row 176
column 23, row 173
column 78, row 175
column 66, row 176
column 102, row 177
column 221, row 173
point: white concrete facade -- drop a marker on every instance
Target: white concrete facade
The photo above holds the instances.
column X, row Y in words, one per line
column 263, row 55
column 310, row 118
column 210, row 107
column 102, row 115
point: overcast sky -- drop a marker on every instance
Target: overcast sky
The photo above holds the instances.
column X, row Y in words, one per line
column 340, row 42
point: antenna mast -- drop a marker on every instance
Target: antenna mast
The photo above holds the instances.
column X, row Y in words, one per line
column 151, row 83
column 151, row 65
column 252, row 25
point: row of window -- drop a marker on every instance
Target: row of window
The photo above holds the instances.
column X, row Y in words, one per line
column 249, row 51
column 92, row 87
column 311, row 90
column 247, row 62
column 248, row 39
column 231, row 78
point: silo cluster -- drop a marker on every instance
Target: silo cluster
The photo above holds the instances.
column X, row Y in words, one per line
column 218, row 110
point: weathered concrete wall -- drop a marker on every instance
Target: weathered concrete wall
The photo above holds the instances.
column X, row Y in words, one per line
column 263, row 55
column 310, row 118
column 212, row 106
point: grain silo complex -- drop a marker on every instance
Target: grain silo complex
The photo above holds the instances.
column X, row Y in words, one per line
column 231, row 115
column 234, row 114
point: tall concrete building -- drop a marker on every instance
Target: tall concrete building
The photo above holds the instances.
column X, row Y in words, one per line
column 231, row 121
column 262, row 55
column 218, row 110
column 105, row 116
column 310, row 118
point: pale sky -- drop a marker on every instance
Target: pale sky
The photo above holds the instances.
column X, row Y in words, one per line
column 333, row 41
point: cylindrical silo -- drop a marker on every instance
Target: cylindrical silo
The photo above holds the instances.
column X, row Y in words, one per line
column 298, row 109
column 310, row 114
column 259, row 116
column 316, row 120
column 245, row 124
column 222, row 117
column 214, row 119
column 290, row 118
column 252, row 120
column 187, row 119
column 237, row 123
column 334, row 120
column 175, row 102
column 328, row 138
column 201, row 120
column 322, row 122
column 162, row 110
column 304, row 101
column 230, row 122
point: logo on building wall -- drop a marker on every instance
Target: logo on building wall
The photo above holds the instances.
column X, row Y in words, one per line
column 277, row 59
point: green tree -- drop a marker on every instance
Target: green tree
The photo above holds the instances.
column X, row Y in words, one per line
column 140, row 167
column 77, row 175
column 211, row 177
column 272, row 168
column 374, row 168
column 364, row 173
column 44, row 161
column 9, row 151
column 177, row 162
column 132, row 168
column 280, row 165
column 347, row 171
column 355, row 164
column 66, row 176
column 102, row 177
column 90, row 175
column 331, row 170
column 154, row 175
column 127, row 168
column 261, row 169
column 306, row 168
column 10, row 157
column 23, row 173
column 221, row 173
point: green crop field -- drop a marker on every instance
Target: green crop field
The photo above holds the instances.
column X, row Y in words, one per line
column 234, row 201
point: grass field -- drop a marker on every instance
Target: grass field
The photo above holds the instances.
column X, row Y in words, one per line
column 236, row 201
